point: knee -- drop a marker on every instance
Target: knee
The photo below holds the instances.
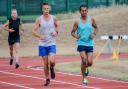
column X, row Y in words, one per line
column 46, row 66
column 87, row 63
column 11, row 50
column 90, row 64
column 17, row 51
column 84, row 63
column 52, row 64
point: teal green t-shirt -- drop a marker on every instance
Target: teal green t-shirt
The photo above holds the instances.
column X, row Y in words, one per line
column 84, row 30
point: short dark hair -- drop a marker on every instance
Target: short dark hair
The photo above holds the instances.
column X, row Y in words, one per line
column 44, row 4
column 83, row 5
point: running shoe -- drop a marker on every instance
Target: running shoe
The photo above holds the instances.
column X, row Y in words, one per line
column 11, row 61
column 85, row 81
column 17, row 65
column 47, row 82
column 87, row 72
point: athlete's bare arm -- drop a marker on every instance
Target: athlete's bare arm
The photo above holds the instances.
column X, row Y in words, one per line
column 95, row 26
column 74, row 29
column 36, row 28
column 6, row 27
column 21, row 28
column 95, row 29
column 56, row 26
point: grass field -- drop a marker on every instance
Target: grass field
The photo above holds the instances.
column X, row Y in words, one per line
column 106, row 68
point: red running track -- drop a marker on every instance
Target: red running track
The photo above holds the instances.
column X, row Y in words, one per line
column 30, row 78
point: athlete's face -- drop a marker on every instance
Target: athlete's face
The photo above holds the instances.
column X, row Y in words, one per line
column 84, row 11
column 45, row 9
column 14, row 14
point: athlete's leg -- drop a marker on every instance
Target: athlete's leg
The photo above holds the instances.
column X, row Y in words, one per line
column 46, row 66
column 46, row 70
column 11, row 54
column 52, row 64
column 52, row 53
column 17, row 48
column 44, row 53
column 11, row 50
column 83, row 55
column 90, row 59
column 83, row 63
column 52, row 59
column 90, row 55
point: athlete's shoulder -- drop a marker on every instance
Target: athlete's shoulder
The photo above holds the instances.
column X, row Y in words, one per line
column 77, row 20
column 38, row 19
column 53, row 16
column 9, row 19
column 91, row 19
column 18, row 18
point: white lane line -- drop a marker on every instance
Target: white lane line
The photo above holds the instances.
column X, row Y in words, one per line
column 52, row 80
column 29, row 67
column 17, row 85
column 121, row 87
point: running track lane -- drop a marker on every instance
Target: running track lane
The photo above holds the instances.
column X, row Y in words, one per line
column 25, row 78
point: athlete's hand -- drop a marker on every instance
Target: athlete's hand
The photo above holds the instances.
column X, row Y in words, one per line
column 11, row 30
column 92, row 36
column 76, row 36
column 21, row 32
column 54, row 33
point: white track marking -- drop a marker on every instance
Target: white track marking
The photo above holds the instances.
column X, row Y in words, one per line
column 17, row 85
column 29, row 67
column 52, row 80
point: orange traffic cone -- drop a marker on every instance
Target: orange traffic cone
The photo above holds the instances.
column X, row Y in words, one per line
column 115, row 56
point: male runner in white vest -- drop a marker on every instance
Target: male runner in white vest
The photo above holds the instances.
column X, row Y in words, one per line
column 45, row 29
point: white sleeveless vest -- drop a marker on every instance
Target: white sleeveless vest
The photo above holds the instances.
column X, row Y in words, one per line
column 46, row 29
